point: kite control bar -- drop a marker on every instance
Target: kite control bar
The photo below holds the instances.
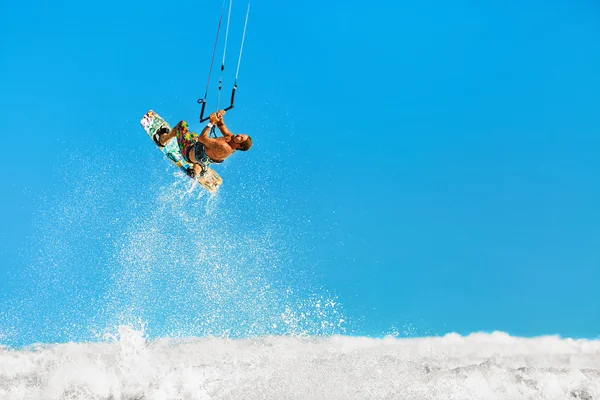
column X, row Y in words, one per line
column 203, row 102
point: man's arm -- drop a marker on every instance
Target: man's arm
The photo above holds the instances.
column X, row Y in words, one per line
column 217, row 119
column 204, row 137
column 224, row 130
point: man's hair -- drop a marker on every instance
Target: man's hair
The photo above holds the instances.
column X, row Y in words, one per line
column 245, row 145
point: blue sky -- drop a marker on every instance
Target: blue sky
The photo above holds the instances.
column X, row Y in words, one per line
column 432, row 166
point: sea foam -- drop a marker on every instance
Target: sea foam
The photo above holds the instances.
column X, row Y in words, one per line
column 478, row 366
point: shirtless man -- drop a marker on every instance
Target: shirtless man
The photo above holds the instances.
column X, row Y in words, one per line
column 202, row 150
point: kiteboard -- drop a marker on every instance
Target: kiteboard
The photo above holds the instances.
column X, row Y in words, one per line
column 152, row 122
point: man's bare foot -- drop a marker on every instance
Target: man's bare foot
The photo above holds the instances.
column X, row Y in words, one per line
column 198, row 170
column 162, row 136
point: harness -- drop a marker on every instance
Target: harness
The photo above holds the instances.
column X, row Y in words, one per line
column 200, row 155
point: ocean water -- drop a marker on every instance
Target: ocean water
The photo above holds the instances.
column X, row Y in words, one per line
column 130, row 367
column 162, row 292
column 167, row 256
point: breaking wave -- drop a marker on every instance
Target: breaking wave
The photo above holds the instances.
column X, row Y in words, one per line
column 479, row 366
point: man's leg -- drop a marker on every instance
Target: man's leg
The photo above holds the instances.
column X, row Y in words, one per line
column 180, row 131
column 185, row 138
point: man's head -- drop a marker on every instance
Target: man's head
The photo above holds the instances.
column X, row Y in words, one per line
column 242, row 142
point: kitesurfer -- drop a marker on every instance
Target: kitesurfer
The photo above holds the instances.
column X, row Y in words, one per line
column 202, row 150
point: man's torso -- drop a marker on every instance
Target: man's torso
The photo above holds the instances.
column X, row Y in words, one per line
column 218, row 149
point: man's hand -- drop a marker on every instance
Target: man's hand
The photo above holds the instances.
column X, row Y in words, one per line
column 216, row 117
